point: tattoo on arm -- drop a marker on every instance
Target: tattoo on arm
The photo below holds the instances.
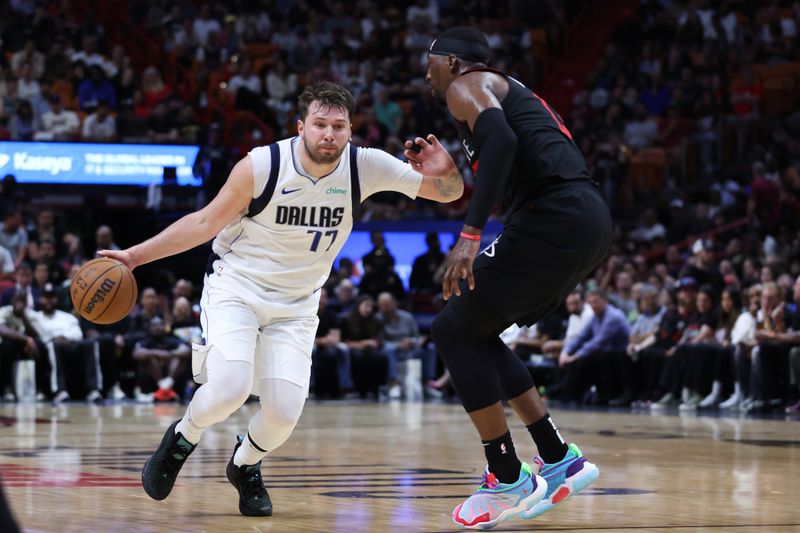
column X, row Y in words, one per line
column 450, row 185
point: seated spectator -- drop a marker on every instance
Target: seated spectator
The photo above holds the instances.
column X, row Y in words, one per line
column 729, row 309
column 30, row 55
column 58, row 124
column 641, row 131
column 47, row 256
column 622, row 296
column 777, row 335
column 379, row 278
column 6, row 265
column 344, row 297
column 162, row 359
column 14, row 237
column 104, row 239
column 642, row 334
column 281, row 88
column 46, row 229
column 425, row 266
column 23, row 122
column 380, row 254
column 580, row 314
column 701, row 267
column 161, row 125
column 329, row 349
column 154, row 90
column 24, row 283
column 650, row 228
column 89, row 56
column 698, row 350
column 184, row 324
column 361, row 332
column 743, row 341
column 100, row 126
column 402, row 341
column 597, row 354
column 388, row 112
column 114, row 364
column 95, row 89
column 18, row 342
column 41, row 275
column 27, row 87
column 61, row 334
column 246, row 87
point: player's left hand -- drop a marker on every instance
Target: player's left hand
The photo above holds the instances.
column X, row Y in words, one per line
column 458, row 266
column 432, row 160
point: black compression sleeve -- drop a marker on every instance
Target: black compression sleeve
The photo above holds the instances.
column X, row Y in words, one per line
column 497, row 144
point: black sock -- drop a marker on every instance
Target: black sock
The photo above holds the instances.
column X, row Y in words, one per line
column 551, row 446
column 502, row 458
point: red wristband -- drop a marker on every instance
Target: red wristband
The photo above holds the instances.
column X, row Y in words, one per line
column 470, row 236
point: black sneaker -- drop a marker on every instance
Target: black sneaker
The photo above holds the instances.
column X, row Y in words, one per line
column 161, row 469
column 253, row 497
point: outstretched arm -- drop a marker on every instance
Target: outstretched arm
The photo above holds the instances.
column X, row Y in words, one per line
column 195, row 228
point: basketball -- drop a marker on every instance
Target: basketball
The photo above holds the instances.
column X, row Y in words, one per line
column 104, row 291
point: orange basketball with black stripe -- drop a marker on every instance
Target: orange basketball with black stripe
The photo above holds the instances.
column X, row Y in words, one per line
column 104, row 291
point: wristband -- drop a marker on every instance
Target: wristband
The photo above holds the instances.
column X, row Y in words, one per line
column 470, row 236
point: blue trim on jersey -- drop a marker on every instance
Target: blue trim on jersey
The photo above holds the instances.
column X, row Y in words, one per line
column 258, row 204
column 355, row 184
column 299, row 169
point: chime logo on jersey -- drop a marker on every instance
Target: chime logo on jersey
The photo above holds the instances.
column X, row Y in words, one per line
column 313, row 216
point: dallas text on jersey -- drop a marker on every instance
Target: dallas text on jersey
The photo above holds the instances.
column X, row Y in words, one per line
column 314, row 216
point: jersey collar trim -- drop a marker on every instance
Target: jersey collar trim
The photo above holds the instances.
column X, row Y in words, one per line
column 299, row 168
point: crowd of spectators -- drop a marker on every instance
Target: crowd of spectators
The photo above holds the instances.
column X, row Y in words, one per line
column 688, row 122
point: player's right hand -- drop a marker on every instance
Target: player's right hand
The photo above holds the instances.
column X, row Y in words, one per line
column 123, row 256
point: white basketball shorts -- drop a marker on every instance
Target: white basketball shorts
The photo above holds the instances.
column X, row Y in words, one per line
column 247, row 323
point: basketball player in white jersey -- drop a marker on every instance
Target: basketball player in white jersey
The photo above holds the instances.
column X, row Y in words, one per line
column 279, row 222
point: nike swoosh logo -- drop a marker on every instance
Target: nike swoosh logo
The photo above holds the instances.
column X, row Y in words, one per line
column 284, row 191
column 4, row 158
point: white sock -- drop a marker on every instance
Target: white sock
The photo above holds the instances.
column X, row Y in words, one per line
column 716, row 388
column 737, row 390
column 166, row 383
column 186, row 427
column 248, row 454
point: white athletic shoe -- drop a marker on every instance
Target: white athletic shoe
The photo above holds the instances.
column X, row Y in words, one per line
column 116, row 393
column 732, row 402
column 61, row 397
column 395, row 391
column 94, row 396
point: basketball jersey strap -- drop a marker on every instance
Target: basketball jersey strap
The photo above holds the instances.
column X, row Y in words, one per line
column 355, row 184
column 259, row 203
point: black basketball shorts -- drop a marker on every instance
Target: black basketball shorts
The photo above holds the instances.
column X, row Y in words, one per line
column 542, row 254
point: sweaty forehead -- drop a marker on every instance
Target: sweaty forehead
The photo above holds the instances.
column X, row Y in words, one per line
column 319, row 110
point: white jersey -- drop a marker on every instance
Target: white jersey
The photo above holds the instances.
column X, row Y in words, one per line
column 288, row 245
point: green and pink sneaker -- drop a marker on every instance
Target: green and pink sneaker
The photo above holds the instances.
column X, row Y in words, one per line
column 564, row 479
column 494, row 502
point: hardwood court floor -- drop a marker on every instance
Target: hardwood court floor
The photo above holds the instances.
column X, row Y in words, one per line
column 357, row 467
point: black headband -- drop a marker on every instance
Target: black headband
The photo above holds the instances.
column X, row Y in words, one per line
column 469, row 50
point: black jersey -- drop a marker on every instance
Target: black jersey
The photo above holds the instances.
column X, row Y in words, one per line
column 546, row 153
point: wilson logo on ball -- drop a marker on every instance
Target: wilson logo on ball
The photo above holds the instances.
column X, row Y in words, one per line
column 100, row 295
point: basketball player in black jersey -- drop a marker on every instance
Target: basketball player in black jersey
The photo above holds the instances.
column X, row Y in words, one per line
column 557, row 229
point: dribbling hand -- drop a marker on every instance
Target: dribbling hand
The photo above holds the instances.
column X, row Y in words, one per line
column 123, row 256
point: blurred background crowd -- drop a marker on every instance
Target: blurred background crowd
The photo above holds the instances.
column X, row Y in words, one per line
column 686, row 112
